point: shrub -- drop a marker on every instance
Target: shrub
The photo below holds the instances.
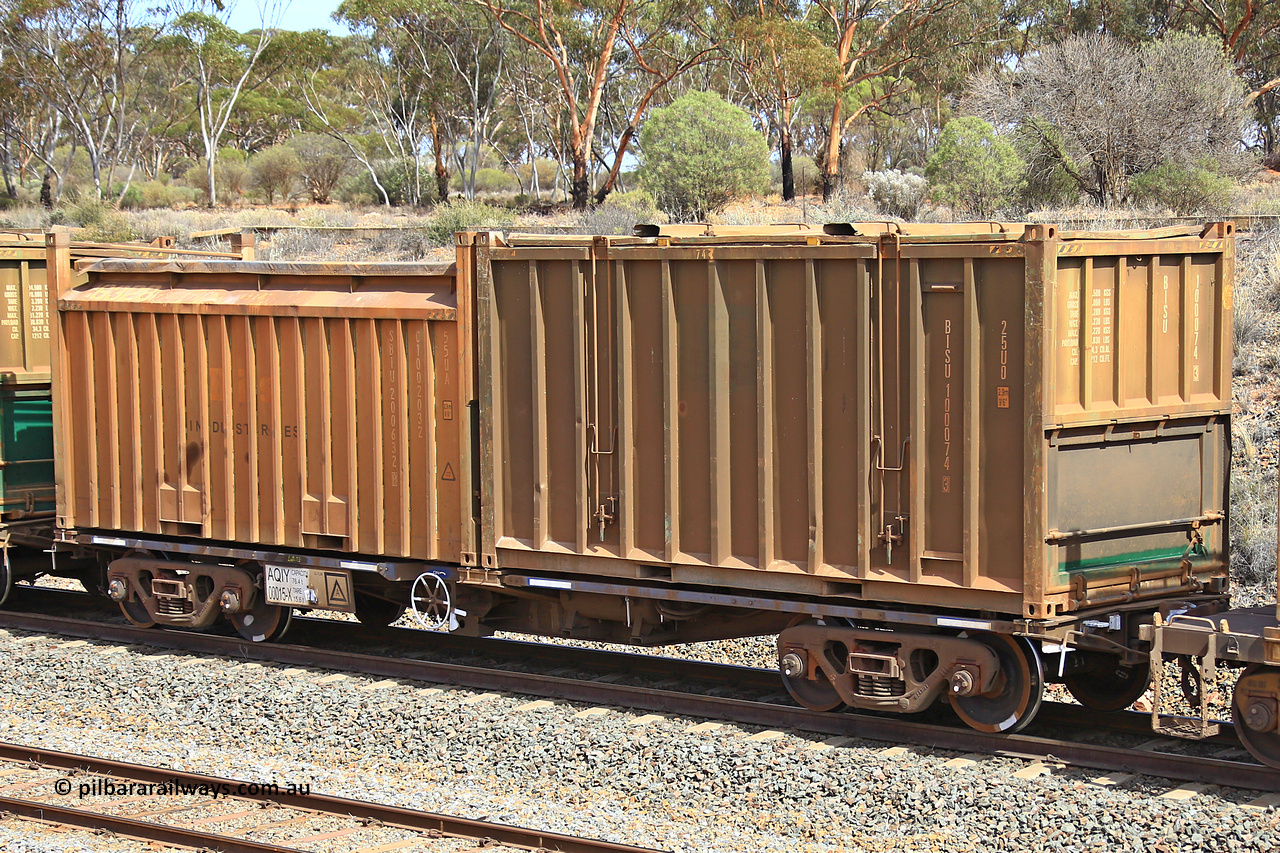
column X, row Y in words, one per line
column 230, row 174
column 496, row 181
column 895, row 193
column 275, row 171
column 620, row 214
column 546, row 174
column 1183, row 188
column 699, row 154
column 99, row 223
column 323, row 162
column 973, row 169
column 1253, row 509
column 396, row 177
column 460, row 215
column 131, row 197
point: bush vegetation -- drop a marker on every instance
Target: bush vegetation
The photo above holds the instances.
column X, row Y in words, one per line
column 699, row 154
column 1184, row 188
column 896, row 193
column 974, row 170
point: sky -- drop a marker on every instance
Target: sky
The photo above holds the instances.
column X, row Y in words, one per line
column 299, row 15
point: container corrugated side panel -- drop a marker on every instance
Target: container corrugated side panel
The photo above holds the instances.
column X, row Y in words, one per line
column 1140, row 328
column 1139, row 367
column 956, row 386
column 24, row 314
column 315, row 413
column 708, row 404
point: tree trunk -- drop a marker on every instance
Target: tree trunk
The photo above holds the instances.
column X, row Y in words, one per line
column 10, row 190
column 581, row 188
column 831, row 168
column 46, row 188
column 208, row 169
column 442, row 171
column 612, row 180
column 788, row 171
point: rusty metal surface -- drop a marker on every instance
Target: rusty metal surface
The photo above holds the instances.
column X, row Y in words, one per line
column 983, row 417
column 24, row 296
column 159, row 833
column 183, row 266
column 933, row 415
column 301, row 405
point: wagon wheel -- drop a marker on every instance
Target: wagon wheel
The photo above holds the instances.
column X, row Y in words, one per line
column 379, row 612
column 134, row 609
column 262, row 623
column 136, row 612
column 6, row 578
column 431, row 602
column 1015, row 694
column 817, row 693
column 1262, row 745
column 1112, row 687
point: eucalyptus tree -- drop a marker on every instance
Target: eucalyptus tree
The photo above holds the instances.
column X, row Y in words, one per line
column 362, row 92
column 85, row 59
column 222, row 63
column 782, row 58
column 586, row 43
column 1249, row 31
column 888, row 49
column 1103, row 111
column 458, row 51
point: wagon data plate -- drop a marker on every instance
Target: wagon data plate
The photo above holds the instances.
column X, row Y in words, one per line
column 300, row 587
column 285, row 585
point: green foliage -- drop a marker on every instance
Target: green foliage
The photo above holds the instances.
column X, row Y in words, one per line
column 99, row 222
column 131, row 199
column 230, row 173
column 495, row 181
column 699, row 154
column 546, row 174
column 1046, row 182
column 461, row 215
column 973, row 169
column 275, row 171
column 806, row 173
column 1183, row 188
column 396, row 177
column 322, row 164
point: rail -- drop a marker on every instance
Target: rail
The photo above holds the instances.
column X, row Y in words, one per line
column 272, row 800
column 750, row 712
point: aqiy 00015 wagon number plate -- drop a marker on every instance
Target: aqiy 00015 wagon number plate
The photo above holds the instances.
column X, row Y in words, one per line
column 329, row 589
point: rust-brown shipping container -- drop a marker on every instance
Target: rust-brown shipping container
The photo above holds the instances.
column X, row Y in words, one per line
column 925, row 457
column 310, row 406
column 1013, row 420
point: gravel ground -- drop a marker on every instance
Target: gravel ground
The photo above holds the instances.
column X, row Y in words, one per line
column 651, row 782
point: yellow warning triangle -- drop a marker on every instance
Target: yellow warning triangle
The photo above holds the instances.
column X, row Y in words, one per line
column 448, row 472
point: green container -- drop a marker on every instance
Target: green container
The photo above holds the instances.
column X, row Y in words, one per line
column 26, row 450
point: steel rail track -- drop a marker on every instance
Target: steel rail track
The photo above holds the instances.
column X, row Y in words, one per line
column 432, row 825
column 888, row 728
column 385, row 642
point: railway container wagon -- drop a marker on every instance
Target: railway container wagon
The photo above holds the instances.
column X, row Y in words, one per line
column 26, row 419
column 957, row 460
